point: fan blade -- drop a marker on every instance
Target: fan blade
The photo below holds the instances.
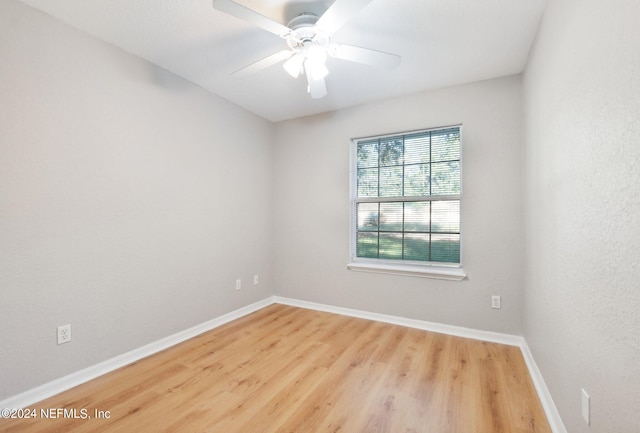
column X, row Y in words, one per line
column 263, row 64
column 338, row 14
column 365, row 56
column 250, row 16
column 316, row 86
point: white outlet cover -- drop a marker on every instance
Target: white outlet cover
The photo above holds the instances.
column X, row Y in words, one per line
column 64, row 334
column 495, row 301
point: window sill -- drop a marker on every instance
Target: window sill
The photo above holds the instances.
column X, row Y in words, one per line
column 437, row 272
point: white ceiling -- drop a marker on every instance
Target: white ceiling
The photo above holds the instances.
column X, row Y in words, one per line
column 441, row 42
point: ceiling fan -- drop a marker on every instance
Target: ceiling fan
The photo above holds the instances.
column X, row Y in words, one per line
column 309, row 39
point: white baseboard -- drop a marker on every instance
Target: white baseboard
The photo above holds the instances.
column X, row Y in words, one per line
column 458, row 331
column 57, row 386
column 550, row 409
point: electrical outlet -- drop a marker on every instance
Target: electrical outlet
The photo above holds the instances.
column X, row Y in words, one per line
column 586, row 407
column 495, row 301
column 256, row 279
column 64, row 334
column 238, row 284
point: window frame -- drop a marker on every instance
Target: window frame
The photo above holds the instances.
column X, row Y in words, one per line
column 447, row 271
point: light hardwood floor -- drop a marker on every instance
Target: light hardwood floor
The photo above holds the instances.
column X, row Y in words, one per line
column 290, row 370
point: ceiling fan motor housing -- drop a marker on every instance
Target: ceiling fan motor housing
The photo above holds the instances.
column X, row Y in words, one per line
column 304, row 32
column 305, row 19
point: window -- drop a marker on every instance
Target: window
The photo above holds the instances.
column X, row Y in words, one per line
column 406, row 198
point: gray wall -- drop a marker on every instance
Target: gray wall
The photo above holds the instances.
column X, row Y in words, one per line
column 311, row 175
column 582, row 120
column 130, row 201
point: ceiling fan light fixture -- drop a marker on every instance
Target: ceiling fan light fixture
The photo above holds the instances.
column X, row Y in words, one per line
column 314, row 64
column 316, row 53
column 315, row 70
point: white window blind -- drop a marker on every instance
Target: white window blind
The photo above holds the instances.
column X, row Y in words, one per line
column 406, row 197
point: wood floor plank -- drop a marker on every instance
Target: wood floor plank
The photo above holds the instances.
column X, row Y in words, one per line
column 290, row 370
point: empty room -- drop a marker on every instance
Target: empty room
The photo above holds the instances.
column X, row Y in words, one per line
column 276, row 216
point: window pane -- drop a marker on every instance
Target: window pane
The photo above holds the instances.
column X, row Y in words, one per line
column 367, row 245
column 368, row 182
column 391, row 152
column 416, row 180
column 368, row 154
column 391, row 217
column 445, row 216
column 391, row 182
column 445, row 248
column 445, row 178
column 409, row 167
column 367, row 215
column 445, row 145
column 390, row 246
column 416, row 148
column 416, row 247
column 416, row 216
